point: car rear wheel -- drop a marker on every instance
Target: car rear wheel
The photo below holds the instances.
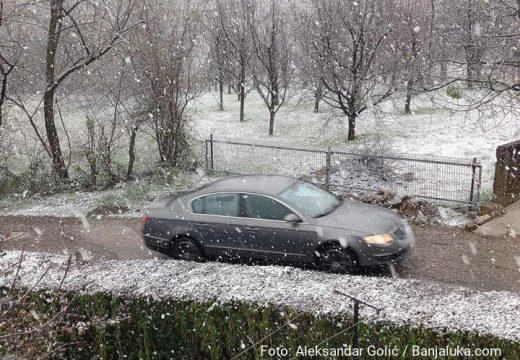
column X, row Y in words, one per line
column 336, row 259
column 185, row 248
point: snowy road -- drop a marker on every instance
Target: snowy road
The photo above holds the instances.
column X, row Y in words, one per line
column 443, row 255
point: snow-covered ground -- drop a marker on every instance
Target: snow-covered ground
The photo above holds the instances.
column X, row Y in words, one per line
column 133, row 196
column 436, row 127
column 404, row 302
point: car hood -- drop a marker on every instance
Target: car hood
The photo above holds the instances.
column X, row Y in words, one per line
column 357, row 216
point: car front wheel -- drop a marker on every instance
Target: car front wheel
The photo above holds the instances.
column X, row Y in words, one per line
column 336, row 259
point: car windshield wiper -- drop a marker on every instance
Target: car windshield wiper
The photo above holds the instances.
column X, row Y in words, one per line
column 329, row 209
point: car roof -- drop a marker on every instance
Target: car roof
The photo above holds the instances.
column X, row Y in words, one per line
column 261, row 184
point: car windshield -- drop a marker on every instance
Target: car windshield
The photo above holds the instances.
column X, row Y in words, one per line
column 312, row 200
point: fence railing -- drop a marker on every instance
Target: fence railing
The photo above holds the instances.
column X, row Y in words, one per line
column 435, row 178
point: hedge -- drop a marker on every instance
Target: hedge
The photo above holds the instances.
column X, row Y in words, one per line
column 102, row 326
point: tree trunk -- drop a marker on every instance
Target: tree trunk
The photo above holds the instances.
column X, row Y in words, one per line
column 3, row 89
column 408, row 100
column 92, row 163
column 351, row 126
column 58, row 163
column 131, row 153
column 221, row 94
column 271, row 122
column 470, row 73
column 273, row 71
column 242, row 92
column 242, row 103
column 443, row 71
column 317, row 97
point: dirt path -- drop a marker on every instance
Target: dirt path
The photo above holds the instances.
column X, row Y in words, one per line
column 444, row 255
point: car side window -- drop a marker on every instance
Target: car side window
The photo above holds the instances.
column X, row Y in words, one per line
column 217, row 204
column 262, row 207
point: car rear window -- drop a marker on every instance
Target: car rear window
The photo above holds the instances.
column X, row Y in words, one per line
column 217, row 204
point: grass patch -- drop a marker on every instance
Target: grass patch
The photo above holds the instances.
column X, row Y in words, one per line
column 425, row 111
column 5, row 202
column 137, row 192
column 113, row 200
column 486, row 195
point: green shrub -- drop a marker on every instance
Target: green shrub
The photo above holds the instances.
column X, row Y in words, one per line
column 143, row 328
column 112, row 200
column 486, row 195
column 137, row 192
column 453, row 92
column 37, row 178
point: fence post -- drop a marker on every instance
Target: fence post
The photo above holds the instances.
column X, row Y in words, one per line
column 327, row 168
column 355, row 333
column 211, row 152
column 206, row 155
column 472, row 187
column 479, row 183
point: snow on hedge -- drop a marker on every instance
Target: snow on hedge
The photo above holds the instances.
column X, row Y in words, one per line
column 408, row 302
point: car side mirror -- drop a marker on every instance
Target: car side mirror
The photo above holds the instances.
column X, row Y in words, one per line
column 292, row 219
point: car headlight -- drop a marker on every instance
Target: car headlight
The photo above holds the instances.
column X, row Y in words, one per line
column 379, row 239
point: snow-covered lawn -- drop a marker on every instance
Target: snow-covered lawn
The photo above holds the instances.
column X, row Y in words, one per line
column 133, row 196
column 404, row 302
column 435, row 128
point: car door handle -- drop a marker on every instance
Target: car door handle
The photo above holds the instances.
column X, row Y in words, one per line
column 201, row 224
column 248, row 228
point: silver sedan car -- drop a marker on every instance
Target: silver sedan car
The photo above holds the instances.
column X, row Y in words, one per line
column 275, row 219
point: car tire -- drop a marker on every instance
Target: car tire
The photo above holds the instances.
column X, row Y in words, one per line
column 185, row 248
column 336, row 259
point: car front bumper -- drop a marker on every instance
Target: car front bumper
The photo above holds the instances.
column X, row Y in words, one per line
column 398, row 251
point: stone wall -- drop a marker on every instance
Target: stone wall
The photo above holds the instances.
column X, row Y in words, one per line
column 506, row 186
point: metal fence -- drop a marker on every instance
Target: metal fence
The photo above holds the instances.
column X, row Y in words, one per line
column 434, row 178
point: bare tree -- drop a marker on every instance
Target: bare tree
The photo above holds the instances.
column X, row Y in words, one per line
column 78, row 34
column 271, row 66
column 309, row 70
column 486, row 32
column 218, row 45
column 413, row 22
column 171, row 70
column 10, row 51
column 233, row 24
column 352, row 43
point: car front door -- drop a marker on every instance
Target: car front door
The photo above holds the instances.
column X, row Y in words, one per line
column 266, row 235
column 216, row 221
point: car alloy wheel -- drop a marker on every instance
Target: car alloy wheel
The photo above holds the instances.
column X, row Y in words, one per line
column 337, row 259
column 186, row 249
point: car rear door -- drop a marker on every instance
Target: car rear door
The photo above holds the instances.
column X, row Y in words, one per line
column 216, row 221
column 267, row 236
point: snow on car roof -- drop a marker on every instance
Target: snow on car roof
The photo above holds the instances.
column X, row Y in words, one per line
column 263, row 184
